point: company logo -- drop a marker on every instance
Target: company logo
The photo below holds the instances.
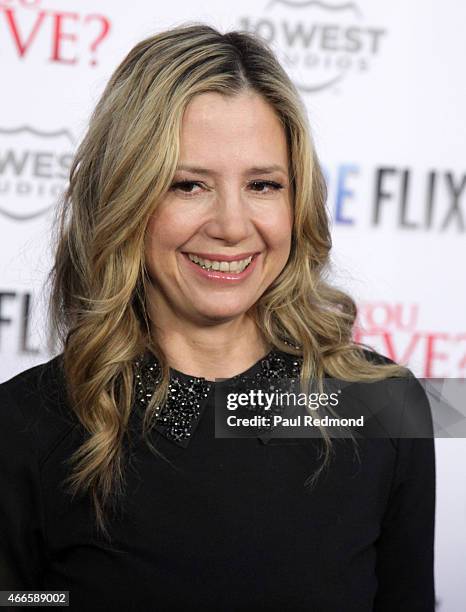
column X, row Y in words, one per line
column 34, row 169
column 409, row 199
column 319, row 43
column 63, row 37
column 395, row 330
column 18, row 323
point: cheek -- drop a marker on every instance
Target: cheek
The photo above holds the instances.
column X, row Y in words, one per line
column 278, row 229
column 171, row 225
column 151, row 241
column 164, row 233
column 157, row 245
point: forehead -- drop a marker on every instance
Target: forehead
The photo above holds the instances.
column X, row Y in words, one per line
column 241, row 130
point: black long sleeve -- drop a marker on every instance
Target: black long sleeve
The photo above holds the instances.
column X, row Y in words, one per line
column 405, row 547
column 226, row 524
column 405, row 550
column 21, row 513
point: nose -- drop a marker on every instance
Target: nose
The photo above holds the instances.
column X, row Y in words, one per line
column 230, row 220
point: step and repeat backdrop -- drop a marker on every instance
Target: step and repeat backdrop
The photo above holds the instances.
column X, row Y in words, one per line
column 385, row 90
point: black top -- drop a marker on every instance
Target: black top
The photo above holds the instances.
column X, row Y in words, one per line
column 215, row 524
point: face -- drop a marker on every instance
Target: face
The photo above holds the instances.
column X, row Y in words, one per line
column 222, row 233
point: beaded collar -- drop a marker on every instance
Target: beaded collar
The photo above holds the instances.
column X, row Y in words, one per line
column 187, row 397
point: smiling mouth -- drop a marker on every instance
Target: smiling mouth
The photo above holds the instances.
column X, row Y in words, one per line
column 235, row 267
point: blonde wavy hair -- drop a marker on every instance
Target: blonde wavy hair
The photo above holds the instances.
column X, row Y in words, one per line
column 123, row 167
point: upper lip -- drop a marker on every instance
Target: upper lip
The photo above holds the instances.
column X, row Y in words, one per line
column 222, row 257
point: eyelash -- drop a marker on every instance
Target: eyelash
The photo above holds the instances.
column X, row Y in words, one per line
column 274, row 185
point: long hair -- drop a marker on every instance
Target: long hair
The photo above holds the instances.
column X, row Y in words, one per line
column 122, row 168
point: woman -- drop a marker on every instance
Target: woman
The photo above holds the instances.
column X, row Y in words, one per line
column 193, row 247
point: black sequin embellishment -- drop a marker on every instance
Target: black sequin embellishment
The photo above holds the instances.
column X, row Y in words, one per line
column 187, row 396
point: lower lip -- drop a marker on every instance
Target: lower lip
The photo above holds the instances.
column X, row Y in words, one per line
column 221, row 277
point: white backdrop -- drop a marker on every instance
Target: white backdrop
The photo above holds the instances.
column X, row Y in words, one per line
column 384, row 86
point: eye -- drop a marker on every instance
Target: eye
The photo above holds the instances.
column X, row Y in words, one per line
column 185, row 186
column 267, row 184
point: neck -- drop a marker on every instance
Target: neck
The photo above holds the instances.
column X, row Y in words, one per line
column 215, row 351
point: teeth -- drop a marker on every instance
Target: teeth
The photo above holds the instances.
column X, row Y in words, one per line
column 222, row 266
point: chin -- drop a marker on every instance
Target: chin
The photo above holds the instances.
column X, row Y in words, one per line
column 222, row 314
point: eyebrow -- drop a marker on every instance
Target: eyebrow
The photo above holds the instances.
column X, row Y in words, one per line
column 252, row 170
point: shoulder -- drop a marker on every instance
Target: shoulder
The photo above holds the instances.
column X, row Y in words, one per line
column 375, row 357
column 34, row 409
column 42, row 384
column 401, row 404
